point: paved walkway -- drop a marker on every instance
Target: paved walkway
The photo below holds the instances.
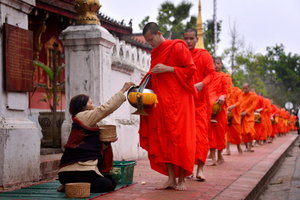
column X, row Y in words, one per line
column 240, row 177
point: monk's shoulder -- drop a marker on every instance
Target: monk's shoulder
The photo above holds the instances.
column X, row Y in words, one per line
column 179, row 44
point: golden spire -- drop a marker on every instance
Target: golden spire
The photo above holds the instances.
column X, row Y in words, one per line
column 199, row 28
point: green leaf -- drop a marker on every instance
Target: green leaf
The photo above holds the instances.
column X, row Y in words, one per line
column 45, row 68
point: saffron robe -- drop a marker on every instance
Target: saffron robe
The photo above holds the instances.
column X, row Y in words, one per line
column 168, row 133
column 234, row 130
column 260, row 129
column 205, row 69
column 267, row 117
column 248, row 103
column 275, row 117
column 216, row 134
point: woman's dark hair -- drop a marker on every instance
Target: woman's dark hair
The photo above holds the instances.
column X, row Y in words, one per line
column 78, row 103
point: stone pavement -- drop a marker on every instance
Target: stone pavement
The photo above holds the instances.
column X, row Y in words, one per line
column 239, row 177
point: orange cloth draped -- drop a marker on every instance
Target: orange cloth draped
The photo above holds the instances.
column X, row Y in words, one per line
column 281, row 121
column 248, row 103
column 293, row 120
column 260, row 126
column 234, row 128
column 274, row 114
column 227, row 100
column 267, row 117
column 217, row 131
column 168, row 133
column 205, row 69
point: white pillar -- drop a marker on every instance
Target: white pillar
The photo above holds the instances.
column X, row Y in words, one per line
column 19, row 137
column 88, row 52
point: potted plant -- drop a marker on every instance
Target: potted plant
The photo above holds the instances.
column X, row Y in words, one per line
column 51, row 121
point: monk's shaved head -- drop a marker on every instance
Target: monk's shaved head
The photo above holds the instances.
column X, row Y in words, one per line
column 151, row 27
column 189, row 30
column 246, row 88
column 152, row 34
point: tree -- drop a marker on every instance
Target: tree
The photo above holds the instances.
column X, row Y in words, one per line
column 144, row 22
column 235, row 49
column 285, row 70
column 209, row 31
column 173, row 20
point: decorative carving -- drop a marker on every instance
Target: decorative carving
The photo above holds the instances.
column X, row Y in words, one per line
column 88, row 10
column 37, row 24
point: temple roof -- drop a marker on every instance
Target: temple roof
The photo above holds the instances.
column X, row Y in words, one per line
column 117, row 28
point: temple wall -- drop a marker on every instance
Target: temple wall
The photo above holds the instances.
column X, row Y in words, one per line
column 128, row 64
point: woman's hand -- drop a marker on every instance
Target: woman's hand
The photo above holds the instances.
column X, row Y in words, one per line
column 161, row 68
column 126, row 86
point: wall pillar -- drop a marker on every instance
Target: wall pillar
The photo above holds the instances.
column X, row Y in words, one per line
column 88, row 53
column 19, row 137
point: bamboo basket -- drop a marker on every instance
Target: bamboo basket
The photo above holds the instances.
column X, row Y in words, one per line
column 77, row 190
column 108, row 133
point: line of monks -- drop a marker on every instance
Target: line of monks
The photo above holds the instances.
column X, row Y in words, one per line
column 226, row 114
column 199, row 111
column 241, row 116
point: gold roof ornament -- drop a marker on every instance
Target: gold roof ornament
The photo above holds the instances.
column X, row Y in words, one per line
column 199, row 28
column 87, row 10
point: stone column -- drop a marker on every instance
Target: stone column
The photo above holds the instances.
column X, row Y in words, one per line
column 19, row 137
column 88, row 52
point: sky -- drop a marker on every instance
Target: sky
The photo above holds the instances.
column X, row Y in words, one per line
column 259, row 23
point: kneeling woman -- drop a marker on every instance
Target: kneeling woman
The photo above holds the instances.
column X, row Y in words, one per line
column 82, row 157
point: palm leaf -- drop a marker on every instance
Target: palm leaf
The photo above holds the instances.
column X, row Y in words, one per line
column 45, row 68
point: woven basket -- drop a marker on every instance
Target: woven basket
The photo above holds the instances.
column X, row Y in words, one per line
column 108, row 133
column 77, row 190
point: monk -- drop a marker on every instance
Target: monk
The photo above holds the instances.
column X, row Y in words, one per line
column 234, row 130
column 274, row 120
column 202, row 78
column 248, row 103
column 217, row 95
column 260, row 129
column 267, row 118
column 168, row 133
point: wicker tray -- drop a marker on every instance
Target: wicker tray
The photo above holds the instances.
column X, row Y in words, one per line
column 77, row 190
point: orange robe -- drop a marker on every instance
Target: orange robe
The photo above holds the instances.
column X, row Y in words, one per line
column 281, row 121
column 217, row 131
column 168, row 133
column 248, row 103
column 267, row 116
column 227, row 100
column 205, row 69
column 275, row 117
column 234, row 127
column 259, row 126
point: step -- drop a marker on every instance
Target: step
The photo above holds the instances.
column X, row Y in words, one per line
column 49, row 166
